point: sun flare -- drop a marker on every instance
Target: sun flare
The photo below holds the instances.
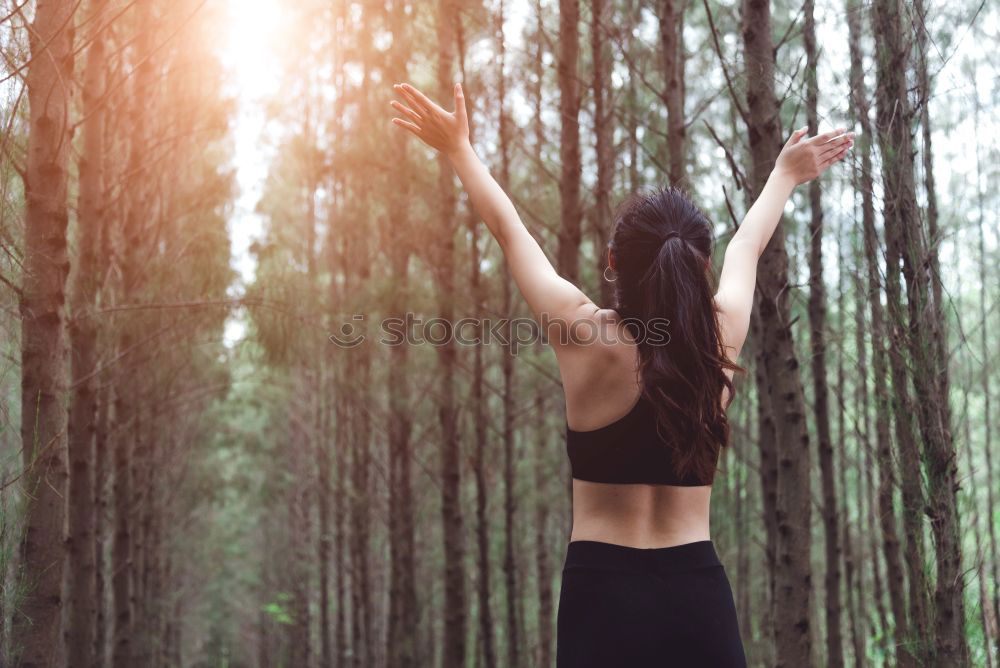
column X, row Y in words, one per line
column 250, row 44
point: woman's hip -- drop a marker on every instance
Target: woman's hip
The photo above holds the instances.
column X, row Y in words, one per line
column 623, row 605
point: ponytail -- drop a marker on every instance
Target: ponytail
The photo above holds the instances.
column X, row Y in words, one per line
column 683, row 374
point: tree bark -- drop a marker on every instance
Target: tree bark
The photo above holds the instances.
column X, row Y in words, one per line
column 672, row 52
column 455, row 616
column 793, row 581
column 546, row 608
column 604, row 139
column 883, row 439
column 933, row 376
column 404, row 617
column 356, row 274
column 817, row 338
column 45, row 266
column 985, row 380
column 924, row 331
column 81, row 592
column 131, row 449
column 570, row 230
column 510, row 563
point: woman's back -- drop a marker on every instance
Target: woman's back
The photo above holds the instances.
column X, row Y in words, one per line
column 603, row 393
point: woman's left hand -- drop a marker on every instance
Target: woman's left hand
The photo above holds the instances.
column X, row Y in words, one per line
column 447, row 132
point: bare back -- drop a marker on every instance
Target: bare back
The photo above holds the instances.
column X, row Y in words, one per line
column 602, row 384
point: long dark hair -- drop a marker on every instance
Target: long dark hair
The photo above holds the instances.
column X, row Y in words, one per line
column 662, row 248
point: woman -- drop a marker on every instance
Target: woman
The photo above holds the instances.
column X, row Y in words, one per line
column 646, row 384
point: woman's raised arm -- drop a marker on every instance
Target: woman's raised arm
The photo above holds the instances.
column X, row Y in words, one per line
column 800, row 160
column 550, row 297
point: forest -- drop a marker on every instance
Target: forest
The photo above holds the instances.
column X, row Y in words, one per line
column 211, row 456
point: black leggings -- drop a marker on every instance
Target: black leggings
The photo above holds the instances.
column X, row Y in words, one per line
column 638, row 607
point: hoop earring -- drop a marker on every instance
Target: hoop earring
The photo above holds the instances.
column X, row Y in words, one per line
column 609, row 280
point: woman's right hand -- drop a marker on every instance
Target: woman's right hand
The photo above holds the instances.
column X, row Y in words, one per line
column 805, row 159
column 445, row 131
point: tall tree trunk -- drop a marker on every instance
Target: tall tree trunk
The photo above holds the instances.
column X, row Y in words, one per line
column 358, row 273
column 633, row 16
column 985, row 374
column 817, row 338
column 45, row 266
column 545, row 595
column 121, row 561
column 858, row 592
column 404, row 616
column 671, row 17
column 102, row 467
column 451, row 504
column 298, row 632
column 332, row 534
column 603, row 137
column 924, row 333
column 81, row 592
column 767, row 444
column 510, row 564
column 793, row 589
column 487, row 646
column 933, row 374
column 335, row 653
column 883, row 440
column 570, row 231
column 479, row 460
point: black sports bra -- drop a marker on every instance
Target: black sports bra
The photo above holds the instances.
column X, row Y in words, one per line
column 627, row 451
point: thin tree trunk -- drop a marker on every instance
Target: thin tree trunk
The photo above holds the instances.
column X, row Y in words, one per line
column 455, row 615
column 43, row 419
column 510, row 564
column 298, row 523
column 546, row 608
column 817, row 338
column 883, row 439
column 404, row 616
column 332, row 534
column 933, row 374
column 793, row 589
column 358, row 273
column 341, row 540
column 479, row 461
column 767, row 437
column 102, row 463
column 671, row 19
column 603, row 137
column 854, row 562
column 81, row 593
column 570, row 230
column 985, row 374
column 924, row 333
column 121, row 568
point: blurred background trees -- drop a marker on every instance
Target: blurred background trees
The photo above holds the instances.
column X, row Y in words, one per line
column 194, row 472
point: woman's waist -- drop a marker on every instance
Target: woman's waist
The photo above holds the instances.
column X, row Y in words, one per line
column 661, row 561
column 639, row 534
column 644, row 516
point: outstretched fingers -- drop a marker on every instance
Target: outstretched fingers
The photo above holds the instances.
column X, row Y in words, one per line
column 411, row 99
column 406, row 111
column 419, row 100
column 797, row 136
column 407, row 125
column 834, row 146
column 827, row 136
column 835, row 157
